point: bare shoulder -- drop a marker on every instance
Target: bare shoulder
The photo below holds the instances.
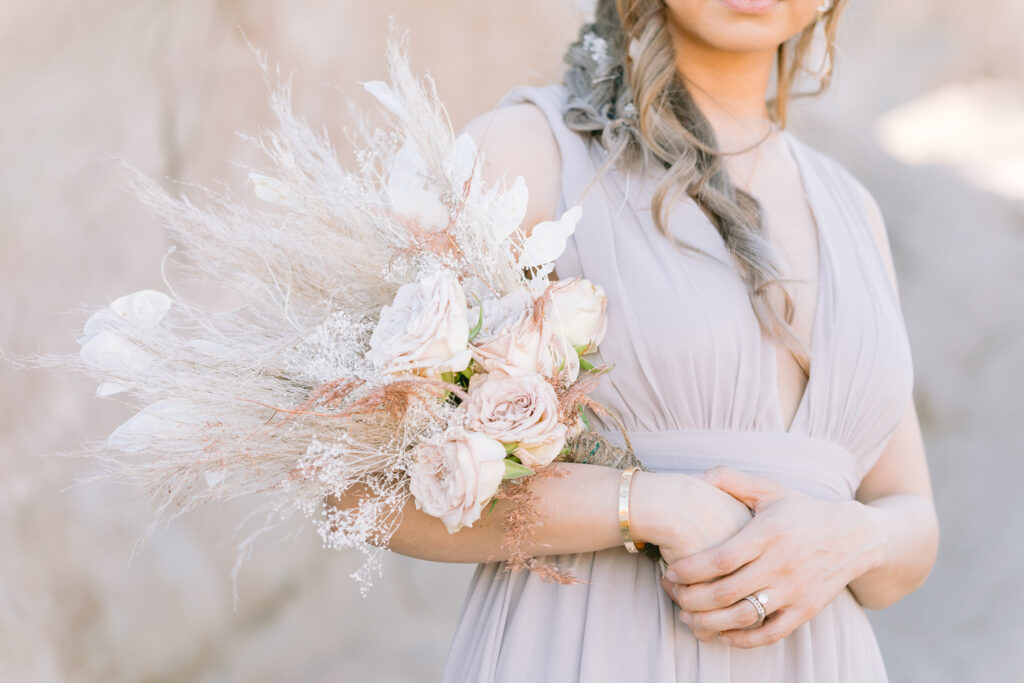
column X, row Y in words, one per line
column 516, row 140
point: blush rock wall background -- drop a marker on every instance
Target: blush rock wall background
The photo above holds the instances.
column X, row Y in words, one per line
column 926, row 110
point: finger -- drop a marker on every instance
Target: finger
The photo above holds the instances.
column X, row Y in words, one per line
column 739, row 615
column 779, row 625
column 724, row 592
column 745, row 546
column 750, row 489
column 705, row 636
column 669, row 587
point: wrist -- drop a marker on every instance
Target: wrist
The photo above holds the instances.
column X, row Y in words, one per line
column 648, row 520
column 873, row 537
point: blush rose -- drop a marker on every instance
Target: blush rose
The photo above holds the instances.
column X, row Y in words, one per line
column 521, row 410
column 512, row 342
column 453, row 477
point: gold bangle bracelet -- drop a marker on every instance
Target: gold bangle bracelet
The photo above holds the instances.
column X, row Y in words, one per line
column 624, row 487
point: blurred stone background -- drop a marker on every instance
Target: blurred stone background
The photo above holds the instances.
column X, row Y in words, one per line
column 927, row 110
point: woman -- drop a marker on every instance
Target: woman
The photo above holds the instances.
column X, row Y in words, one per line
column 787, row 490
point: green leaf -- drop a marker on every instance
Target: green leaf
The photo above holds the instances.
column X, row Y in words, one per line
column 479, row 324
column 511, row 447
column 514, row 470
column 586, row 364
column 494, row 501
column 448, row 376
column 583, row 416
column 580, row 350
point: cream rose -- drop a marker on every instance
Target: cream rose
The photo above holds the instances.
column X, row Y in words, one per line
column 425, row 331
column 579, row 312
column 512, row 342
column 453, row 477
column 522, row 410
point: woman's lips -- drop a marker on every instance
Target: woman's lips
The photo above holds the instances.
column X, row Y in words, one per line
column 750, row 6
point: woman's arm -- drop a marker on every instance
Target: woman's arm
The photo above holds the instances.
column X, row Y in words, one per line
column 898, row 502
column 898, row 489
column 578, row 513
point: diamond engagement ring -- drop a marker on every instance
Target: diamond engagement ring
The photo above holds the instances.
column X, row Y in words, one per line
column 759, row 602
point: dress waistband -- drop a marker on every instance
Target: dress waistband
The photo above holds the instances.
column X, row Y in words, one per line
column 816, row 466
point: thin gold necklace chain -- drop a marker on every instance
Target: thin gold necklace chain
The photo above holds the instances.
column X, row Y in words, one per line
column 753, row 167
column 757, row 154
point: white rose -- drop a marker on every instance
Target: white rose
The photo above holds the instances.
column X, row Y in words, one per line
column 424, row 331
column 579, row 312
column 453, row 477
column 499, row 314
column 522, row 410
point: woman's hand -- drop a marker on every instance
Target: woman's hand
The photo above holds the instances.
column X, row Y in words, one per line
column 797, row 550
column 682, row 514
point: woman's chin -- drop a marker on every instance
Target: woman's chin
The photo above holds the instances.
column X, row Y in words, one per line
column 740, row 25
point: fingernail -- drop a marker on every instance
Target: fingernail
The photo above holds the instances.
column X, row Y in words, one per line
column 723, row 639
column 684, row 617
column 671, row 576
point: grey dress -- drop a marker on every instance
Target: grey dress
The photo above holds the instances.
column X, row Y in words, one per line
column 695, row 384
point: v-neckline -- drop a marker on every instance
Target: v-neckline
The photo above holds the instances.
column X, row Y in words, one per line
column 823, row 272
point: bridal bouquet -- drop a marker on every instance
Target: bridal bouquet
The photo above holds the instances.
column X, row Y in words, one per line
column 396, row 332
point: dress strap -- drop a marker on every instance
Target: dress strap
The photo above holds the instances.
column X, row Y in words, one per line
column 609, row 233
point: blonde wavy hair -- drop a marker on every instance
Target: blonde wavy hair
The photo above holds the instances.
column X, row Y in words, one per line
column 625, row 92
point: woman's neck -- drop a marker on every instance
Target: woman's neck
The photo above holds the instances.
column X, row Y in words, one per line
column 730, row 88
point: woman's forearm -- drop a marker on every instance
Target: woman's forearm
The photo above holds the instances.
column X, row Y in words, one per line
column 907, row 531
column 578, row 513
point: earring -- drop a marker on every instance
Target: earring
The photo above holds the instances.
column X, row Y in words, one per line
column 824, row 8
